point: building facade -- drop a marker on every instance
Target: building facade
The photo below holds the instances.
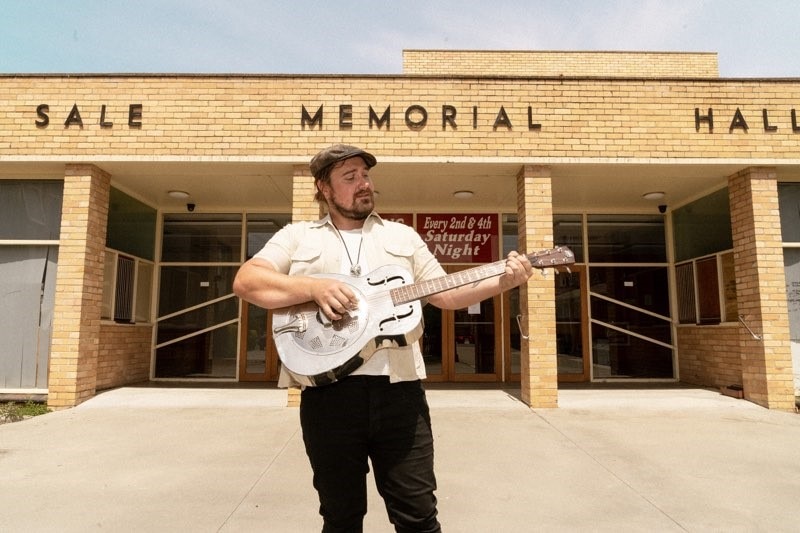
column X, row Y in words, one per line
column 129, row 201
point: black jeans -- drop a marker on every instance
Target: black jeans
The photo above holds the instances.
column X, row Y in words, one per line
column 363, row 417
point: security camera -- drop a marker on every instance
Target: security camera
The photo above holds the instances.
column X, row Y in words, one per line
column 190, row 207
column 662, row 209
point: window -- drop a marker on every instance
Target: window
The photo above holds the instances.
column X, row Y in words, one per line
column 706, row 283
column 202, row 238
column 687, row 305
column 789, row 201
column 30, row 222
column 30, row 210
column 131, row 226
column 626, row 239
column 130, row 250
column 127, row 288
column 261, row 228
column 703, row 227
column 568, row 231
column 706, row 290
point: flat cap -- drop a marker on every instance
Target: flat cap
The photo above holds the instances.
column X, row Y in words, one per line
column 338, row 152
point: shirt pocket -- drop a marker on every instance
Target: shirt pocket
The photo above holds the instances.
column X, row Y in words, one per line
column 306, row 260
column 400, row 254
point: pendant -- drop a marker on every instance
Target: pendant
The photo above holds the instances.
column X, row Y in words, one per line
column 355, row 270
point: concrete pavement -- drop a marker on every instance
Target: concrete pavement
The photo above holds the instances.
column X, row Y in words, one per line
column 232, row 460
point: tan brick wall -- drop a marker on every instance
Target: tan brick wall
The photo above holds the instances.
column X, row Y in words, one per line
column 123, row 355
column 304, row 207
column 560, row 63
column 79, row 287
column 761, row 288
column 538, row 364
column 258, row 118
column 709, row 356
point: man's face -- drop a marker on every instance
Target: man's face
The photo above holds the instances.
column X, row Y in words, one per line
column 350, row 191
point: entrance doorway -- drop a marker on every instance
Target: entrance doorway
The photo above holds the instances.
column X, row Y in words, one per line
column 259, row 360
column 464, row 345
column 572, row 342
column 197, row 323
column 478, row 345
column 572, row 331
column 258, row 357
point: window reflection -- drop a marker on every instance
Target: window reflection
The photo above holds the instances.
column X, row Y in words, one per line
column 260, row 228
column 202, row 238
column 211, row 354
column 568, row 231
column 627, row 239
column 431, row 342
column 474, row 339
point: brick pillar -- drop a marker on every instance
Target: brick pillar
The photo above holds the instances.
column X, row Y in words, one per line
column 303, row 208
column 539, row 364
column 79, row 287
column 760, row 288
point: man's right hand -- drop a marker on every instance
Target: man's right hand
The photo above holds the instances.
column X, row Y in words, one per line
column 334, row 298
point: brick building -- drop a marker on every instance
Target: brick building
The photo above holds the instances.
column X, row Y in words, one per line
column 128, row 202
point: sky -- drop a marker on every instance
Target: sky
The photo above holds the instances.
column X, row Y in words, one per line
column 753, row 38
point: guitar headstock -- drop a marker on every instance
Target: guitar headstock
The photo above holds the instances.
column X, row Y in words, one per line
column 552, row 258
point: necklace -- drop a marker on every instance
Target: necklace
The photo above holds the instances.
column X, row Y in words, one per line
column 355, row 268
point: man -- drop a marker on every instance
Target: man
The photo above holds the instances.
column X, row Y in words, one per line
column 378, row 413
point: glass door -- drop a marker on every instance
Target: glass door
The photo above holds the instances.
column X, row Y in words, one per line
column 196, row 331
column 434, row 343
column 259, row 361
column 463, row 345
column 258, row 357
column 476, row 347
column 571, row 325
column 630, row 320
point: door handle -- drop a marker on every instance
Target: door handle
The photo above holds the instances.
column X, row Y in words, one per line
column 519, row 325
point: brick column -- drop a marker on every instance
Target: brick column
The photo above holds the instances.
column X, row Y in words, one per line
column 79, row 286
column 760, row 288
column 303, row 208
column 539, row 364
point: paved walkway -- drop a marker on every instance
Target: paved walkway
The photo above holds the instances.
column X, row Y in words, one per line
column 232, row 460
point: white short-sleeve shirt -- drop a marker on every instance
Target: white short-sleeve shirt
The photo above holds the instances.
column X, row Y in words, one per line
column 304, row 248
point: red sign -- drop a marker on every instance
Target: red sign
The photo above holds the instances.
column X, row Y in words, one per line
column 403, row 218
column 461, row 238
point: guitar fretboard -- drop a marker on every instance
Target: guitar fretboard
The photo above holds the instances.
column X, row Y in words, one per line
column 416, row 291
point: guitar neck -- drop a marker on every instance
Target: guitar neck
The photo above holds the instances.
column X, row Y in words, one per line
column 417, row 291
column 422, row 289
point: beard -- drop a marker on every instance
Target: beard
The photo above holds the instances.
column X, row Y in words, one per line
column 359, row 209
